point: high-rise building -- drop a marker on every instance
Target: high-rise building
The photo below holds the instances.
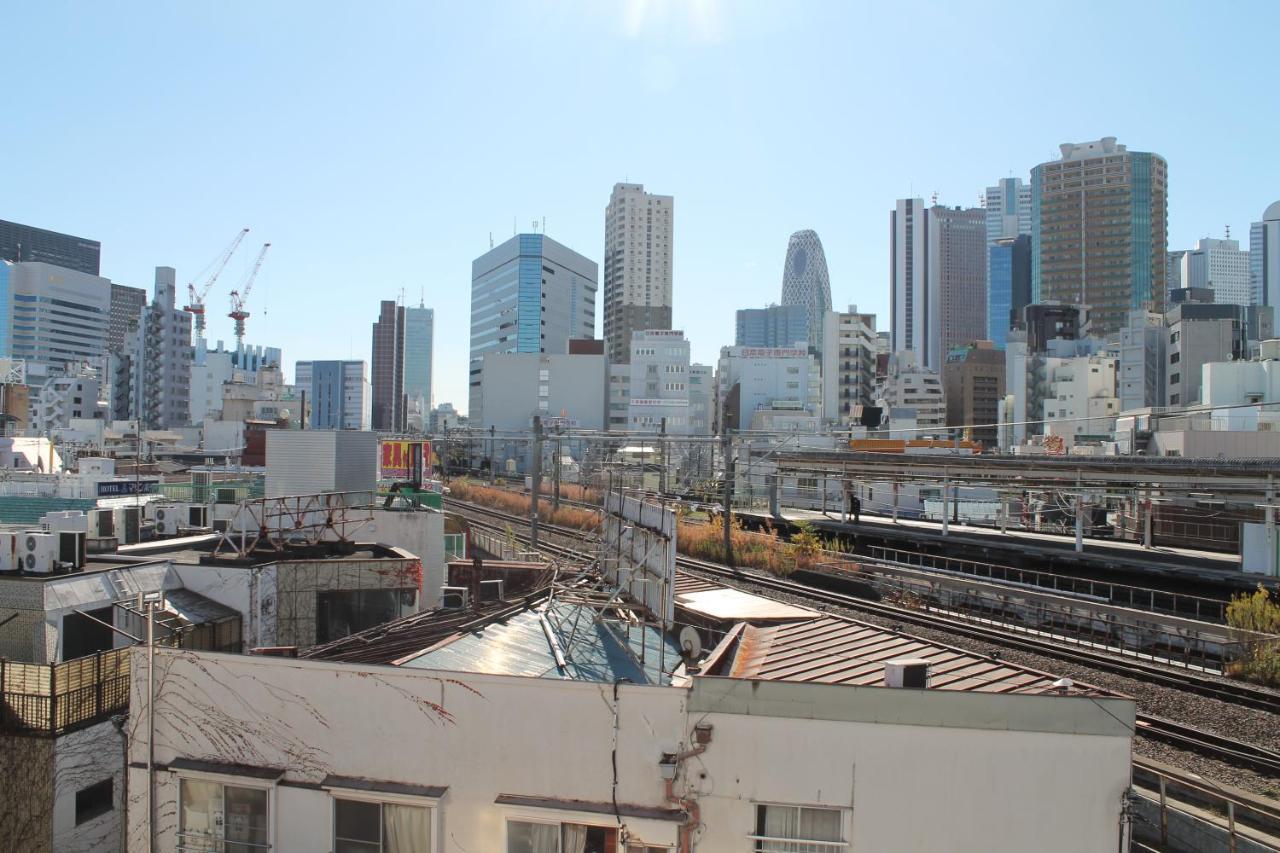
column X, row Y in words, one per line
column 337, row 393
column 805, row 282
column 973, row 385
column 388, row 368
column 957, row 278
column 1099, row 234
column 849, row 363
column 911, row 312
column 1203, row 333
column 1264, row 258
column 1216, row 265
column 23, row 243
column 937, row 279
column 1008, row 285
column 1140, row 377
column 639, row 228
column 775, row 326
column 530, row 294
column 1008, row 207
column 54, row 317
column 753, row 379
column 419, row 340
column 161, row 358
column 126, row 310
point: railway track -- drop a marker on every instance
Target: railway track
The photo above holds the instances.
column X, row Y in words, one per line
column 1186, row 680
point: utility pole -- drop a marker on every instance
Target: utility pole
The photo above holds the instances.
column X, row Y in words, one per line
column 662, row 474
column 728, row 499
column 493, row 452
column 555, row 476
column 535, row 480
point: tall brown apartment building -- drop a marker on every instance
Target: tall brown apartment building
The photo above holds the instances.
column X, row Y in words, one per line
column 1099, row 238
column 388, row 368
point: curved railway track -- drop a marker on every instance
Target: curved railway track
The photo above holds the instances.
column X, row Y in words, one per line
column 1179, row 735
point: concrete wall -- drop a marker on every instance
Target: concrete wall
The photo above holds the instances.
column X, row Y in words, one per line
column 912, row 770
column 26, row 795
column 81, row 759
column 421, row 534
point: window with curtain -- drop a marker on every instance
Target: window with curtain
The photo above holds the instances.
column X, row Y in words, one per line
column 798, row 829
column 361, row 826
column 530, row 837
column 218, row 818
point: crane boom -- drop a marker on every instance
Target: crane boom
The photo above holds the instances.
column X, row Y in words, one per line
column 196, row 297
column 238, row 299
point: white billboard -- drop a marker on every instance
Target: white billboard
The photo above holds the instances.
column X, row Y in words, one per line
column 638, row 551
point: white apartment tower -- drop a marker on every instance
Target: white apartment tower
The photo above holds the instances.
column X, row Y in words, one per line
column 638, row 230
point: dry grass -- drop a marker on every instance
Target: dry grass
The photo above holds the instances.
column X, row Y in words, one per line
column 516, row 503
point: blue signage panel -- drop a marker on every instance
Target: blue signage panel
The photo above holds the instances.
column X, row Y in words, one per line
column 118, row 488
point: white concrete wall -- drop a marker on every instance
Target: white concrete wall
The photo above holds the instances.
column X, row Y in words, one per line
column 914, row 770
column 419, row 533
column 81, row 759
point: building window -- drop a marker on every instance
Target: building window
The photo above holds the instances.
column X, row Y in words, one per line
column 340, row 613
column 222, row 818
column 798, row 829
column 94, row 801
column 368, row 827
column 529, row 837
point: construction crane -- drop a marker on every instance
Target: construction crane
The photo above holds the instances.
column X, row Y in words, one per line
column 196, row 296
column 240, row 296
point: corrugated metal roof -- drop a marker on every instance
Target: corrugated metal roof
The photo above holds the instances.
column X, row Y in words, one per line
column 594, row 650
column 733, row 605
column 833, row 650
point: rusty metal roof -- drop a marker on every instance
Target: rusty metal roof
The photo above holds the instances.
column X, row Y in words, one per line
column 835, row 650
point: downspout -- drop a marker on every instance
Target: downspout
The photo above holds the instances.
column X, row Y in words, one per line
column 693, row 813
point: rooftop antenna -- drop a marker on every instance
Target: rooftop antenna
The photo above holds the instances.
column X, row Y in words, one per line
column 534, row 226
column 422, row 297
column 490, row 239
column 1228, row 237
column 544, row 225
column 933, row 199
column 513, row 226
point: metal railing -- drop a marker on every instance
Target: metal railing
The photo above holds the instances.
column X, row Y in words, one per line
column 1121, row 595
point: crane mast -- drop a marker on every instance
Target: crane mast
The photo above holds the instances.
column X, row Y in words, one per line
column 196, row 296
column 240, row 296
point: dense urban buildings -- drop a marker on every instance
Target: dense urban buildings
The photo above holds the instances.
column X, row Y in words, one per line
column 23, row 243
column 1264, row 258
column 1201, row 333
column 1008, row 208
column 388, row 368
column 1100, row 231
column 126, row 309
column 911, row 312
column 337, row 392
column 805, row 282
column 162, row 367
column 639, row 228
column 774, row 326
column 757, row 379
column 1008, row 285
column 659, row 383
column 912, row 399
column 531, row 295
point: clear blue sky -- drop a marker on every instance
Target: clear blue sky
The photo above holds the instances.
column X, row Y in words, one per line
column 377, row 145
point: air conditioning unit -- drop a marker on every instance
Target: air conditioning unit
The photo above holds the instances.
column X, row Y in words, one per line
column 129, row 525
column 71, row 548
column 38, row 552
column 102, row 523
column 907, row 672
column 72, row 520
column 454, row 597
column 197, row 516
column 169, row 518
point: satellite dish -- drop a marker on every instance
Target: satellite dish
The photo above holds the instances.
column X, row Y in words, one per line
column 690, row 642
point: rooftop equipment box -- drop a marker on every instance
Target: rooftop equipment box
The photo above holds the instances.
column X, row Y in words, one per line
column 307, row 462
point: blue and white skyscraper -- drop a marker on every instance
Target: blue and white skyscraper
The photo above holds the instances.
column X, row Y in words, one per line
column 1008, row 285
column 419, row 336
column 805, row 282
column 530, row 294
column 775, row 326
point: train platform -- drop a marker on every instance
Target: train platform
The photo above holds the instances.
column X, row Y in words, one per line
column 1024, row 547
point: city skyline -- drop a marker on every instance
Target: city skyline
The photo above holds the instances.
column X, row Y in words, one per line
column 417, row 210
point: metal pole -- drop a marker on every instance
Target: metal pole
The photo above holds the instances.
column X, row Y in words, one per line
column 555, row 476
column 493, row 452
column 728, row 499
column 151, row 726
column 946, row 491
column 535, row 480
column 1271, row 525
column 1146, row 524
column 662, row 474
